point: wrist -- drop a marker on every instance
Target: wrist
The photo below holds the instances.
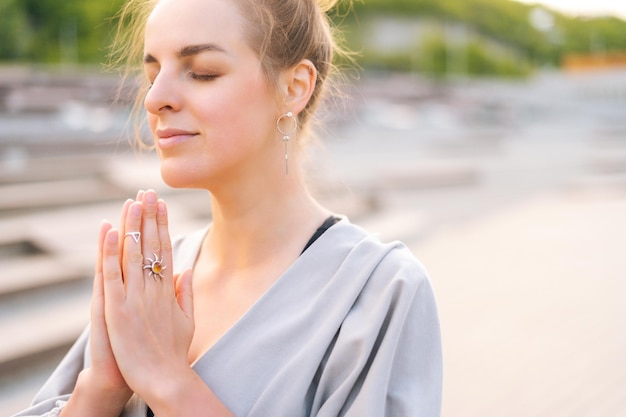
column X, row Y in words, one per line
column 91, row 397
column 184, row 393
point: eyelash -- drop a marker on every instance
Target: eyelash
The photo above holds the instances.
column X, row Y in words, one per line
column 203, row 77
column 194, row 76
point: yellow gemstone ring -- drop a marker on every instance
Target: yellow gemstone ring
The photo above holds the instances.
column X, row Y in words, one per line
column 155, row 266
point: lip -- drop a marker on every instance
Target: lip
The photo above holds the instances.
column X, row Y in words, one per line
column 168, row 138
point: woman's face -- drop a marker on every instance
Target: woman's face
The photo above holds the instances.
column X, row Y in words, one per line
column 210, row 108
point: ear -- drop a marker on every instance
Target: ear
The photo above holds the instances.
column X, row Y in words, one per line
column 298, row 85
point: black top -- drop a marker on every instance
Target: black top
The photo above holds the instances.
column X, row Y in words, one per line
column 319, row 232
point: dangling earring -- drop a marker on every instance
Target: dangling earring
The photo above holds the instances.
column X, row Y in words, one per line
column 286, row 134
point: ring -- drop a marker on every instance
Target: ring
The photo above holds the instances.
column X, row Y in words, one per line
column 136, row 236
column 155, row 266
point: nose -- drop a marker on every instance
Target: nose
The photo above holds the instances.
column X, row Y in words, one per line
column 163, row 95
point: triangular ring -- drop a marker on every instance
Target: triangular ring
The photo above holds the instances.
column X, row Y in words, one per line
column 136, row 236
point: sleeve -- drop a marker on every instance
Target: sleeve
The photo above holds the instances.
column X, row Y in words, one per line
column 387, row 357
column 52, row 397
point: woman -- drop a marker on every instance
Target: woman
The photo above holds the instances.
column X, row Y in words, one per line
column 280, row 307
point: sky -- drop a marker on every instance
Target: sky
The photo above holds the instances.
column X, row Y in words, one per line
column 585, row 7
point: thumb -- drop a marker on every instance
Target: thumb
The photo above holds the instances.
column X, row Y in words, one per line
column 184, row 292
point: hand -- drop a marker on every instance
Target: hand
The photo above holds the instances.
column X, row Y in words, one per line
column 100, row 389
column 149, row 312
column 103, row 364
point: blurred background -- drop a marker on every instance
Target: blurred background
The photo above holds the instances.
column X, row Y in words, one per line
column 488, row 135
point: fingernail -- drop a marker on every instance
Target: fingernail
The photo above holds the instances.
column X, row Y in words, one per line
column 136, row 209
column 151, row 197
column 161, row 207
column 112, row 236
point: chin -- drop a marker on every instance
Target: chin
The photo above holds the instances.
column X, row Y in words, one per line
column 175, row 177
column 182, row 176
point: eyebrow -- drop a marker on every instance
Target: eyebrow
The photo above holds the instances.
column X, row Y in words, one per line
column 188, row 51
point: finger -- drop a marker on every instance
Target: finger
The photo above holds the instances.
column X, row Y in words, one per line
column 132, row 256
column 113, row 283
column 97, row 296
column 105, row 226
column 163, row 226
column 100, row 346
column 122, row 232
column 139, row 195
column 164, row 238
column 150, row 242
column 184, row 292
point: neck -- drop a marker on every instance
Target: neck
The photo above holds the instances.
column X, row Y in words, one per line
column 262, row 220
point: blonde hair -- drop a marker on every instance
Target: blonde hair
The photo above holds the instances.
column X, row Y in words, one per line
column 281, row 32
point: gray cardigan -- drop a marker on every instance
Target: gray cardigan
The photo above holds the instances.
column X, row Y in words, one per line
column 350, row 329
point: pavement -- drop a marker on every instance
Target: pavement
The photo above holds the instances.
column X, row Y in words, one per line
column 532, row 308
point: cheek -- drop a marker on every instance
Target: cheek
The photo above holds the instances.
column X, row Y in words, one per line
column 245, row 109
column 152, row 122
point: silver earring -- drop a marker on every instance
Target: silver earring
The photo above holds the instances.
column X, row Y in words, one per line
column 286, row 133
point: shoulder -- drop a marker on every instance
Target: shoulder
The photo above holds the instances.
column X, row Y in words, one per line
column 396, row 300
column 399, row 281
column 389, row 262
column 389, row 341
column 384, row 278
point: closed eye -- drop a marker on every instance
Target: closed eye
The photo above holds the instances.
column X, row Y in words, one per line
column 203, row 77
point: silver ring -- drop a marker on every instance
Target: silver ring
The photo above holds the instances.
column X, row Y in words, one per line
column 155, row 267
column 135, row 235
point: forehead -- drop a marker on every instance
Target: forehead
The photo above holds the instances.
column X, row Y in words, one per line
column 182, row 22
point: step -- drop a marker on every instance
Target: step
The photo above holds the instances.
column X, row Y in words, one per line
column 17, row 166
column 46, row 194
column 20, row 274
column 31, row 326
